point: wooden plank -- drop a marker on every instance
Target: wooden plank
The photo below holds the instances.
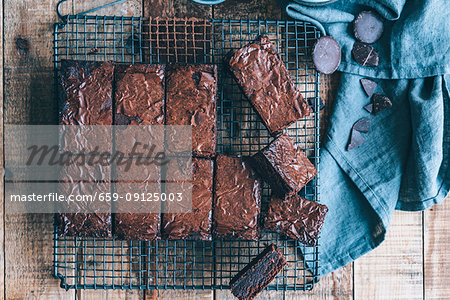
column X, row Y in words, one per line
column 128, row 8
column 246, row 9
column 28, row 74
column 176, row 8
column 179, row 9
column 2, row 244
column 337, row 285
column 437, row 251
column 394, row 270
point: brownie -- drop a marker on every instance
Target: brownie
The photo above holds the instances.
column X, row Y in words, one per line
column 85, row 94
column 95, row 224
column 255, row 276
column 139, row 96
column 264, row 79
column 296, row 217
column 191, row 100
column 141, row 181
column 196, row 224
column 237, row 199
column 85, row 99
column 284, row 166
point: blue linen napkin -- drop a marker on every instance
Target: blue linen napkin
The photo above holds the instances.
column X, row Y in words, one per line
column 404, row 163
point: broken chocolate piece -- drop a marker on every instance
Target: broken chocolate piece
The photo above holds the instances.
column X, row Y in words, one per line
column 362, row 125
column 365, row 55
column 356, row 140
column 380, row 103
column 369, row 86
column 369, row 107
column 255, row 276
column 368, row 27
column 326, row 55
column 296, row 217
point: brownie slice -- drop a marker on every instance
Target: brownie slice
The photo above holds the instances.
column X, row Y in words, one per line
column 263, row 77
column 284, row 166
column 237, row 199
column 139, row 95
column 191, row 100
column 139, row 100
column 251, row 280
column 85, row 94
column 194, row 224
column 85, row 99
column 296, row 217
column 137, row 220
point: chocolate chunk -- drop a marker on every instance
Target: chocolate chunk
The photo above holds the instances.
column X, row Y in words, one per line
column 296, row 217
column 262, row 75
column 368, row 85
column 237, row 199
column 255, row 276
column 367, row 27
column 356, row 140
column 369, row 107
column 365, row 55
column 284, row 166
column 362, row 125
column 326, row 55
column 380, row 103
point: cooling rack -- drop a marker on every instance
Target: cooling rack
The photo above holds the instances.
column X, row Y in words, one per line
column 89, row 263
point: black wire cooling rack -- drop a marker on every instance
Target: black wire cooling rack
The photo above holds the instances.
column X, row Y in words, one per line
column 89, row 263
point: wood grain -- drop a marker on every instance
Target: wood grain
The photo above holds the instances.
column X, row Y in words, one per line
column 393, row 270
column 2, row 238
column 437, row 251
column 28, row 74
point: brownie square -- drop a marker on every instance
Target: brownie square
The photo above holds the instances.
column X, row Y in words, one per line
column 264, row 79
column 296, row 217
column 284, row 166
column 137, row 220
column 195, row 224
column 129, row 223
column 237, row 199
column 85, row 94
column 255, row 276
column 139, row 95
column 191, row 100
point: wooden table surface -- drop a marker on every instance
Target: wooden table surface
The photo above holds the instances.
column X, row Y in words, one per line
column 413, row 262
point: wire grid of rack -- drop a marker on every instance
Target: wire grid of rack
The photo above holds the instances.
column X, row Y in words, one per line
column 88, row 263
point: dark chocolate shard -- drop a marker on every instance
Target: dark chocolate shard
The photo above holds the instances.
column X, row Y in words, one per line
column 356, row 140
column 365, row 55
column 326, row 55
column 362, row 125
column 311, row 103
column 368, row 27
column 380, row 102
column 369, row 107
column 368, row 86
